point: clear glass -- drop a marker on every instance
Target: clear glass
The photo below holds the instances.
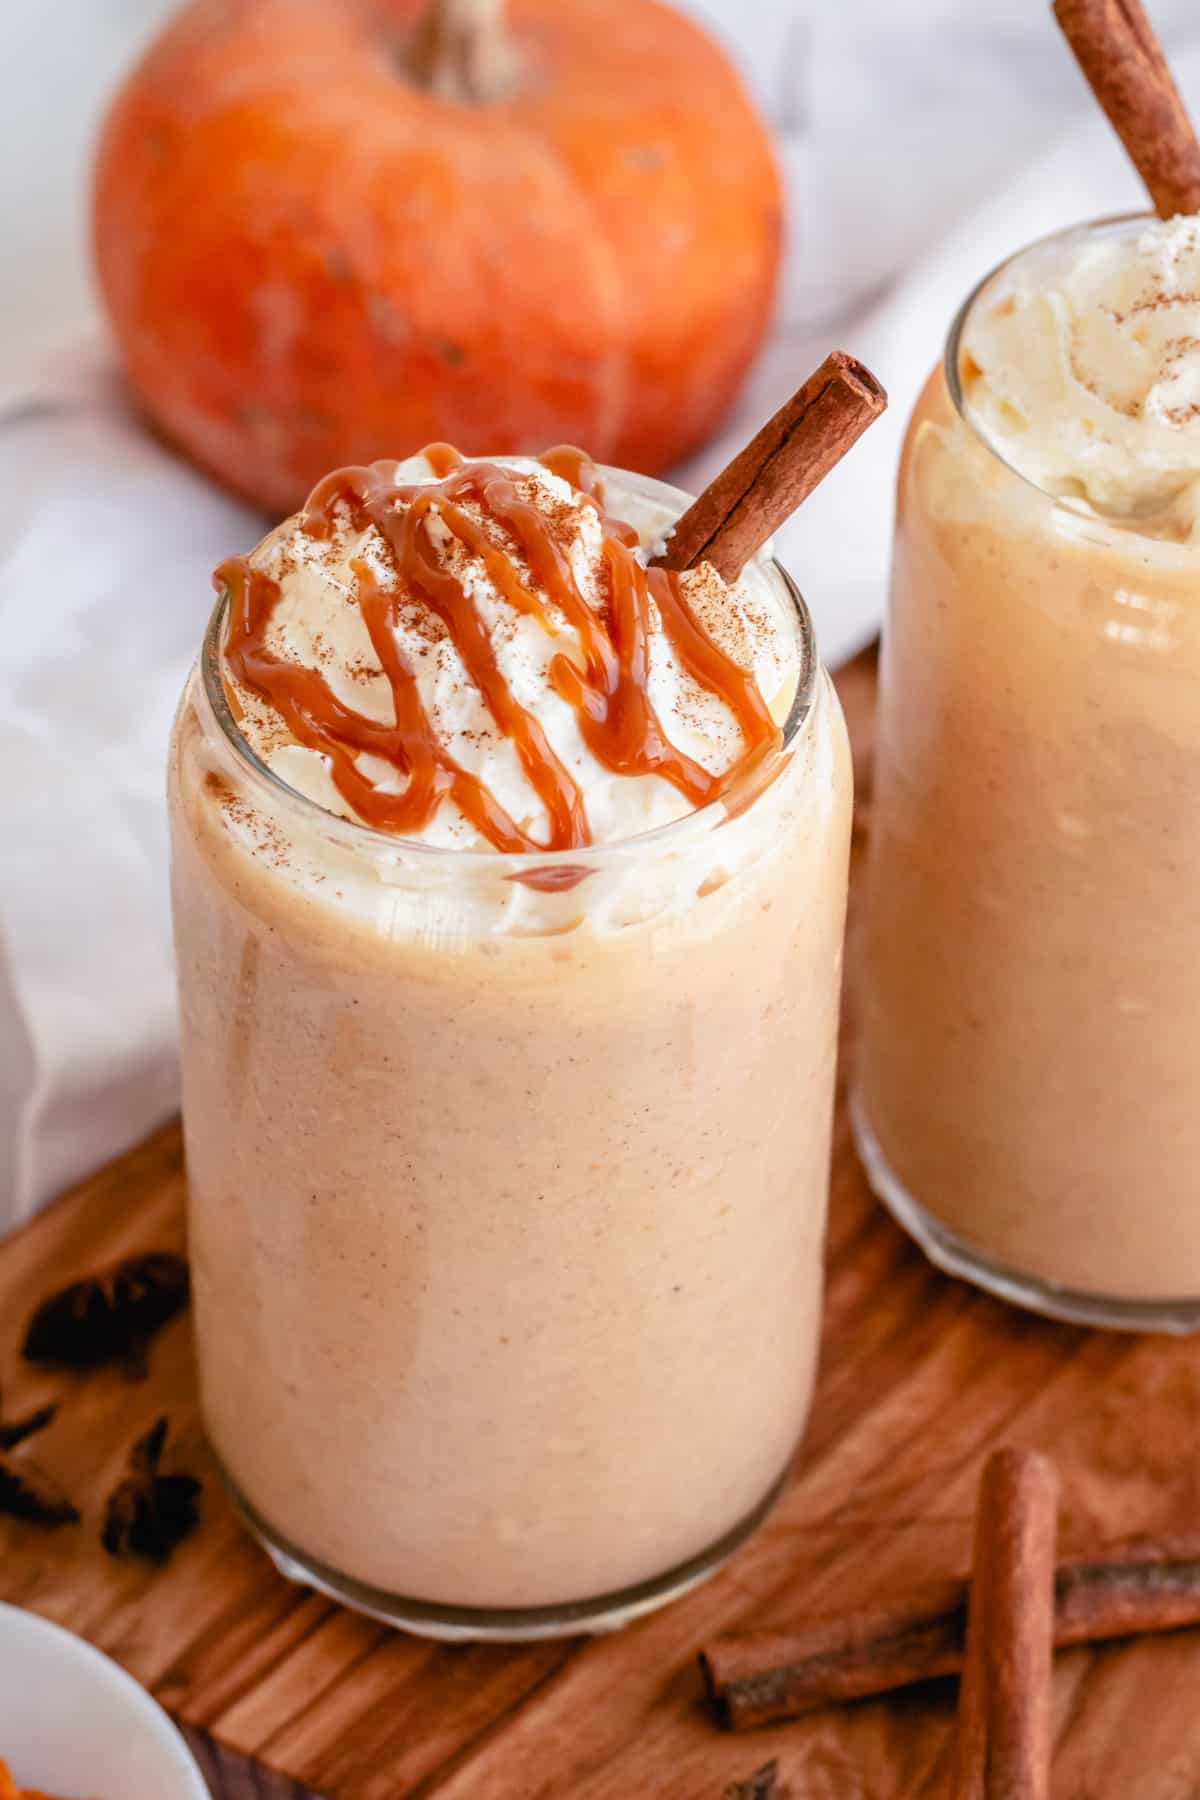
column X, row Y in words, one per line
column 1027, row 1094
column 507, row 1280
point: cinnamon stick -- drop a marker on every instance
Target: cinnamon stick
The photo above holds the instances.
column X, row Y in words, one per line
column 1123, row 63
column 780, row 467
column 1002, row 1749
column 1126, row 1588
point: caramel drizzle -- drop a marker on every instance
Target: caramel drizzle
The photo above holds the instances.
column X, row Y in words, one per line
column 607, row 687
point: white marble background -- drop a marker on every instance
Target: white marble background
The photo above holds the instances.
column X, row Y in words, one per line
column 922, row 140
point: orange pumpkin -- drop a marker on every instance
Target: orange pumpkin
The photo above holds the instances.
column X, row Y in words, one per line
column 332, row 230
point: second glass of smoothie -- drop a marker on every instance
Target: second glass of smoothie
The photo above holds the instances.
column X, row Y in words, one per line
column 507, row 1163
column 1027, row 1098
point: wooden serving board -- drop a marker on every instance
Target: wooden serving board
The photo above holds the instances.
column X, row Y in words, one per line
column 287, row 1695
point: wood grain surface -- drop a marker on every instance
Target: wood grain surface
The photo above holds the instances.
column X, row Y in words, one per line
column 287, row 1696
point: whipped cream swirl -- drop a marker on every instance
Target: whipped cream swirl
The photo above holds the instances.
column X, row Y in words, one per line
column 1080, row 362
column 317, row 624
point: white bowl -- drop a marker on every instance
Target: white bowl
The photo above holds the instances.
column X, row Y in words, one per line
column 74, row 1723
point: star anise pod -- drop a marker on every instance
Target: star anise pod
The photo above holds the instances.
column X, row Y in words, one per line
column 15, row 1431
column 147, row 1514
column 27, row 1492
column 109, row 1316
column 759, row 1786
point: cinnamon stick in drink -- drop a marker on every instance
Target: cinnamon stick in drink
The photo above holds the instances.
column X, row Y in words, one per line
column 1123, row 62
column 1002, row 1749
column 780, row 467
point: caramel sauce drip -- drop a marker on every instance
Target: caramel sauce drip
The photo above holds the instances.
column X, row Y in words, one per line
column 605, row 682
column 442, row 458
column 575, row 466
column 556, row 878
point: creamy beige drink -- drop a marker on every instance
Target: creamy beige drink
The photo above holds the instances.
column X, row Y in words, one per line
column 1028, row 1088
column 509, row 882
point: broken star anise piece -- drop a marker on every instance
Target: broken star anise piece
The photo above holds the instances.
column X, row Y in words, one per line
column 108, row 1316
column 27, row 1492
column 15, row 1431
column 147, row 1514
column 759, row 1786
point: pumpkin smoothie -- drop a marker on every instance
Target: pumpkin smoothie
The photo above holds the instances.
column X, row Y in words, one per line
column 1028, row 1090
column 509, row 878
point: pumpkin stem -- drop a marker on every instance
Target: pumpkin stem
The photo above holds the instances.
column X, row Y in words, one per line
column 462, row 50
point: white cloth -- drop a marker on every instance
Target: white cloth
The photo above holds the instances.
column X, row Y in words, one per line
column 896, row 120
column 107, row 545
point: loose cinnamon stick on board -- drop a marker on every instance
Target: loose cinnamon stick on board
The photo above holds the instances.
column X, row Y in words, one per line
column 765, row 482
column 1123, row 62
column 1003, row 1739
column 1128, row 1587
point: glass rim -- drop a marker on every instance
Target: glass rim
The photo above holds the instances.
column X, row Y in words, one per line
column 356, row 832
column 1109, row 223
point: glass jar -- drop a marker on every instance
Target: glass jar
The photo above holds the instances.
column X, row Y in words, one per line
column 1027, row 1097
column 507, row 1278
